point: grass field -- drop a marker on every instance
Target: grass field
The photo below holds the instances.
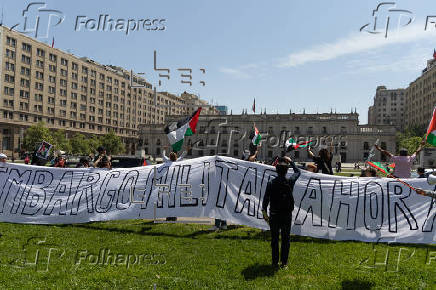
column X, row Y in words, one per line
column 173, row 256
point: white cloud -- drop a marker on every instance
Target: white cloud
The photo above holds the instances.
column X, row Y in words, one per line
column 355, row 43
column 247, row 71
column 237, row 73
column 409, row 59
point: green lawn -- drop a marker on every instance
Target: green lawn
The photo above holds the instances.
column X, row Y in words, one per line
column 173, row 256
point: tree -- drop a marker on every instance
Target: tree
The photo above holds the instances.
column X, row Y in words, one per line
column 94, row 142
column 415, row 130
column 411, row 138
column 80, row 144
column 60, row 141
column 35, row 134
column 112, row 143
column 410, row 143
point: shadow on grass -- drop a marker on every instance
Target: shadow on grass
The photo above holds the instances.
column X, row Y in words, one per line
column 145, row 229
column 357, row 284
column 254, row 271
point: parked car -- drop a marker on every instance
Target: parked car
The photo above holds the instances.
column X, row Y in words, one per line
column 129, row 161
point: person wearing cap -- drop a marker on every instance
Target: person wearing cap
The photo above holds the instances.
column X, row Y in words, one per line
column 278, row 195
column 403, row 162
column 3, row 157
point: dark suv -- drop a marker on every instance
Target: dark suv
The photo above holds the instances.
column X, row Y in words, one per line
column 129, row 161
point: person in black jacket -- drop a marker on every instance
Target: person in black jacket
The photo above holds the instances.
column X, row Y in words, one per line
column 323, row 161
column 278, row 195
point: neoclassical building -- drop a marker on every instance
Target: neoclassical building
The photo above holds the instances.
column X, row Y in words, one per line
column 229, row 135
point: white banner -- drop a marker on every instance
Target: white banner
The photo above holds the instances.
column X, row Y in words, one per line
column 331, row 207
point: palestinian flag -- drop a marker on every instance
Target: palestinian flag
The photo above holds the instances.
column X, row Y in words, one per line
column 176, row 131
column 257, row 137
column 431, row 131
column 291, row 142
column 379, row 166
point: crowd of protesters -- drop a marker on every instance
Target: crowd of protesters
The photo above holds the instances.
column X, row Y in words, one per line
column 99, row 160
column 321, row 162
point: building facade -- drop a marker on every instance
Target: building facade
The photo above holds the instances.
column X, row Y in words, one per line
column 421, row 97
column 230, row 135
column 389, row 108
column 41, row 83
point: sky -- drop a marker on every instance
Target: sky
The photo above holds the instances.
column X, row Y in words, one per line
column 288, row 55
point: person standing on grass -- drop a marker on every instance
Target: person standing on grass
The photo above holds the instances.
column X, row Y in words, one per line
column 403, row 162
column 278, row 195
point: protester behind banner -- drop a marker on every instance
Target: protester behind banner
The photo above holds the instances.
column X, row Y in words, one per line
column 403, row 162
column 41, row 155
column 43, row 150
column 323, row 161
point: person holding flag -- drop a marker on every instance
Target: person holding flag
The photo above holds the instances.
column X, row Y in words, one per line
column 256, row 139
column 324, row 160
column 403, row 162
column 176, row 133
